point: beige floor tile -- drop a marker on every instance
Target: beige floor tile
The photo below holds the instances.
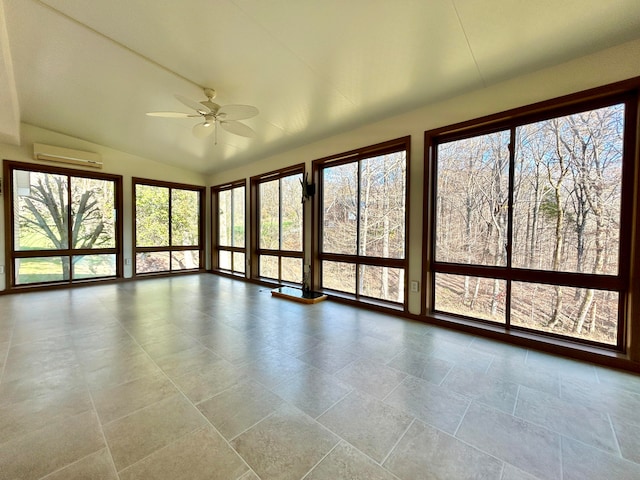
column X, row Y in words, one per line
column 50, row 384
column 285, row 445
column 194, row 359
column 238, row 408
column 135, row 436
column 421, row 365
column 43, row 451
column 490, row 390
column 274, row 368
column 433, row 404
column 516, row 371
column 345, row 462
column 200, row 455
column 431, row 454
column 97, row 466
column 576, row 421
column 628, row 436
column 21, row 363
column 367, row 423
column 171, row 344
column 529, row 447
column 312, row 391
column 371, row 377
column 583, row 462
column 204, row 383
column 512, row 473
column 116, row 402
column 327, row 357
column 303, row 355
column 20, row 418
column 119, row 370
column 249, row 476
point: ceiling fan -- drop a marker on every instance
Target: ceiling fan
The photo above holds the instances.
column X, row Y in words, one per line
column 212, row 114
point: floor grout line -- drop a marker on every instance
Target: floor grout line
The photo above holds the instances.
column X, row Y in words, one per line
column 195, row 407
column 386, row 457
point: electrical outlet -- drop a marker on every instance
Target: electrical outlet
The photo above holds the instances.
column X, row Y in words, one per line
column 415, row 286
column 127, row 261
column 1, row 269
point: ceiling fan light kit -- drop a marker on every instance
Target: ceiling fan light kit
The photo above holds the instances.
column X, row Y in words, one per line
column 212, row 114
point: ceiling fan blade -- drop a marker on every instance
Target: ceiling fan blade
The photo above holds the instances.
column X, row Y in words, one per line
column 198, row 107
column 171, row 114
column 237, row 128
column 238, row 112
column 202, row 130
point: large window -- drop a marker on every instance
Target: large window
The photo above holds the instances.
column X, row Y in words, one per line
column 277, row 243
column 363, row 218
column 63, row 225
column 531, row 221
column 228, row 206
column 168, row 226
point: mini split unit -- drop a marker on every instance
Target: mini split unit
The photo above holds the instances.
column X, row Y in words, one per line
column 66, row 155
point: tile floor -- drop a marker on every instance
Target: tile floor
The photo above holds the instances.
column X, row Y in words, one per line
column 200, row 377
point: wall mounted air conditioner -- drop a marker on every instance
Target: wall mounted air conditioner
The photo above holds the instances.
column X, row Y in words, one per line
column 66, row 155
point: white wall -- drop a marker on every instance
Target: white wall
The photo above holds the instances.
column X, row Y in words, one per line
column 115, row 162
column 608, row 66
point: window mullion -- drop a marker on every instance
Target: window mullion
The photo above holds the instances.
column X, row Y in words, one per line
column 509, row 245
column 69, row 228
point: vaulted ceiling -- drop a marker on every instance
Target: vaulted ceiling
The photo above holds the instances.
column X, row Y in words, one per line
column 93, row 68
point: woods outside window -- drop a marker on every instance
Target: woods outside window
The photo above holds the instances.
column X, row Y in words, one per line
column 278, row 219
column 531, row 220
column 363, row 222
column 228, row 205
column 168, row 226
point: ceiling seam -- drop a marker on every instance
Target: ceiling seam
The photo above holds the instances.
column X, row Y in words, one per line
column 466, row 38
column 121, row 45
column 286, row 47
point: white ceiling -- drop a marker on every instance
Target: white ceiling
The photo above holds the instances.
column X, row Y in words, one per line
column 92, row 68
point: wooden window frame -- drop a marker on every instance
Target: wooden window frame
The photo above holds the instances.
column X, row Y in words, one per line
column 11, row 254
column 256, row 250
column 358, row 155
column 200, row 247
column 626, row 92
column 216, row 248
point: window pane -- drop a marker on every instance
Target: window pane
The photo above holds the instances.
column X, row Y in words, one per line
column 471, row 296
column 94, row 266
column 40, row 209
column 238, row 216
column 291, row 213
column 238, row 262
column 147, row 262
column 568, row 192
column 224, row 259
column 43, row 269
column 472, row 200
column 185, row 217
column 269, row 215
column 93, row 213
column 382, row 205
column 185, row 260
column 292, row 269
column 152, row 216
column 269, row 266
column 225, row 215
column 383, row 283
column 339, row 276
column 575, row 312
column 340, row 209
